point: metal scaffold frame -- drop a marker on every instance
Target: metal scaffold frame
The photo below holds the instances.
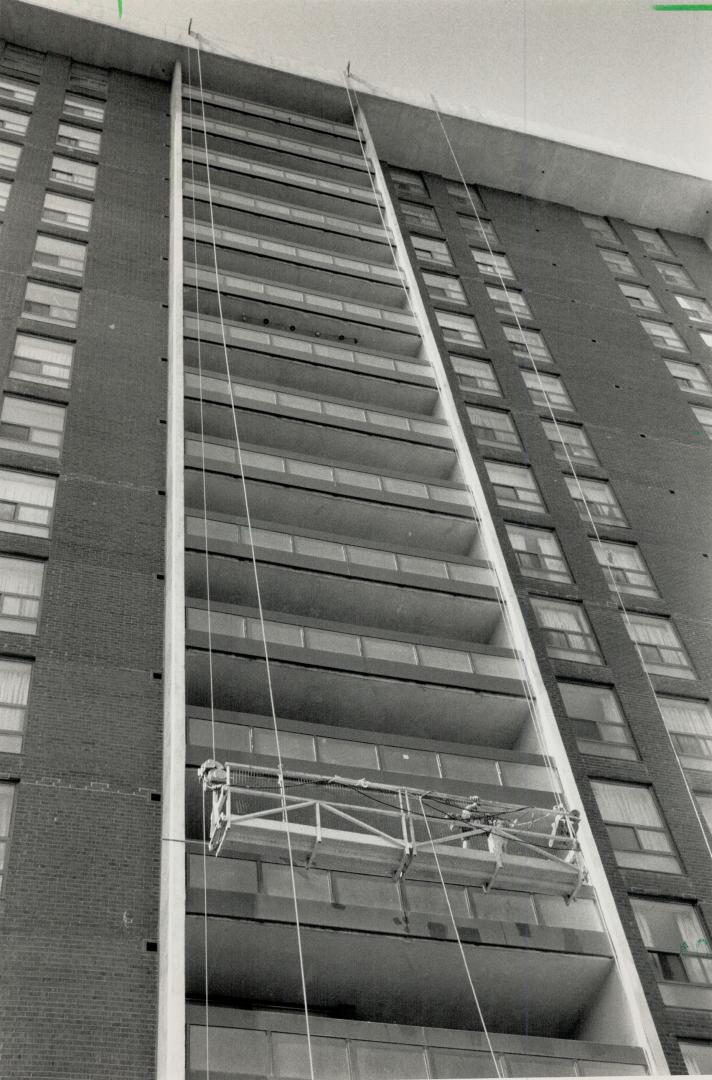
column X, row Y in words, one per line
column 337, row 821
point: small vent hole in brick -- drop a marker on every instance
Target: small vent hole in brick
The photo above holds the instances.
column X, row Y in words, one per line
column 156, row 674
column 151, row 946
column 155, row 796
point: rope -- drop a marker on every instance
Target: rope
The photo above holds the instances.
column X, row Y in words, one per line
column 459, row 940
column 572, row 466
column 258, row 592
column 501, row 600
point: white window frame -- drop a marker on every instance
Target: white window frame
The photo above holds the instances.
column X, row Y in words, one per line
column 530, row 544
column 42, row 360
column 459, row 329
column 477, row 375
column 58, row 311
column 693, row 380
column 604, row 512
column 650, row 845
column 74, row 137
column 528, row 344
column 54, row 216
column 13, row 713
column 493, row 427
column 493, row 264
column 547, row 390
column 27, row 514
column 611, row 556
column 562, row 439
column 70, row 255
column 691, row 734
column 73, row 172
column 562, row 643
column 669, row 659
column 509, row 493
column 599, row 723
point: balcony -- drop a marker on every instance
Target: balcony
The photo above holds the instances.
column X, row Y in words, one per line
column 333, row 128
column 273, row 181
column 305, row 345
column 263, row 301
column 286, row 219
column 318, row 160
column 262, row 1044
column 304, row 256
column 273, row 400
column 339, row 554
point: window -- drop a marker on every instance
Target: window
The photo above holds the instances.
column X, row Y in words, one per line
column 706, row 338
column 619, row 263
column 42, row 360
column 50, row 303
column 28, row 61
column 704, row 803
column 635, row 826
column 625, row 566
column 476, row 375
column 569, row 442
column 9, row 156
column 409, row 185
column 61, row 210
column 78, row 138
column 598, row 721
column 459, row 329
column 598, row 497
column 677, row 939
column 698, row 310
column 66, row 171
column 639, row 296
column 7, row 794
column 428, row 248
column 600, row 229
column 31, row 426
column 492, row 264
column 652, row 242
column 538, row 553
column 528, row 344
column 85, row 77
column 26, row 501
column 674, row 275
column 14, row 123
column 705, row 418
column 567, row 631
column 689, row 377
column 20, row 591
column 479, row 232
column 660, row 648
column 547, row 390
column 509, row 301
column 464, row 196
column 83, row 108
column 63, row 255
column 493, row 427
column 22, row 92
column 14, row 692
column 515, row 486
column 689, row 724
column 420, row 217
column 5, row 189
column 441, row 287
column 698, row 1057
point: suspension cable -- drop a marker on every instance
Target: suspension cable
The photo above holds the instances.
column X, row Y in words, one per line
column 572, row 466
column 459, row 940
column 529, row 695
column 248, row 518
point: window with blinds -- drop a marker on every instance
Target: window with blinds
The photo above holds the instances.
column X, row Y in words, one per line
column 538, row 553
column 659, row 646
column 20, row 592
column 635, row 826
column 595, row 497
column 598, row 721
column 569, row 442
column 515, row 486
column 32, row 427
column 624, row 568
column 26, row 502
column 689, row 724
column 493, row 427
column 14, row 692
column 547, row 390
column 567, row 631
column 677, row 940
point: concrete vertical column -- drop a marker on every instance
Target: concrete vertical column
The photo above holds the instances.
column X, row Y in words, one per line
column 170, row 1055
column 641, row 1027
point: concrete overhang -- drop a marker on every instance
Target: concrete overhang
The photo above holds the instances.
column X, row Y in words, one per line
column 405, row 134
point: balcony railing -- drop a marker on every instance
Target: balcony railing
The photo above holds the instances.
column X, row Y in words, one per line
column 334, row 822
column 247, row 393
column 298, row 215
column 258, row 108
column 280, row 249
column 286, row 467
column 257, row 339
column 271, row 292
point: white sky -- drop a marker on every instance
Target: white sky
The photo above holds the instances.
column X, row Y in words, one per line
column 611, row 75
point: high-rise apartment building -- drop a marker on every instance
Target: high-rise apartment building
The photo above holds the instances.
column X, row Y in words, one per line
column 358, row 458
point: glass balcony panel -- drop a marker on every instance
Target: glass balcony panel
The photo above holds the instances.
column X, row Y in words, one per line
column 503, row 906
column 519, row 1065
column 383, row 1061
column 444, row 658
column 419, row 762
column 319, row 549
column 330, row 641
column 456, row 1064
column 230, row 736
column 476, row 770
column 394, row 651
column 429, row 897
column 310, row 884
column 347, row 752
column 292, row 744
column 385, row 560
column 357, row 479
column 405, row 487
column 230, row 1049
column 412, row 564
column 311, row 470
column 291, row 1057
column 363, row 890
